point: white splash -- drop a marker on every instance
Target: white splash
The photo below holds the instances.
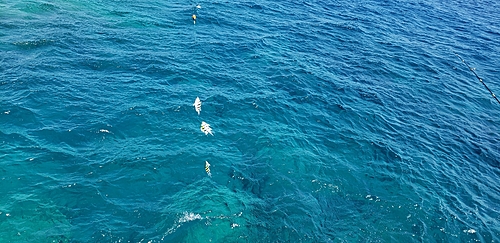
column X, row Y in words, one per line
column 197, row 105
column 189, row 217
column 186, row 218
column 470, row 231
column 104, row 130
column 205, row 127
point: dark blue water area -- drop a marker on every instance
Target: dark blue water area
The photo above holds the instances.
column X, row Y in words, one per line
column 333, row 121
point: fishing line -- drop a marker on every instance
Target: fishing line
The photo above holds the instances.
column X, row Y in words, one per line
column 480, row 79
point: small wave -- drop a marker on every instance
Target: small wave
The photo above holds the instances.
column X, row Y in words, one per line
column 33, row 43
column 104, row 131
column 40, row 8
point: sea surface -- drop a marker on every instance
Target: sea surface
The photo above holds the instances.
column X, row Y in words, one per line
column 332, row 121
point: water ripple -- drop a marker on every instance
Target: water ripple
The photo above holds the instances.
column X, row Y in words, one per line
column 333, row 121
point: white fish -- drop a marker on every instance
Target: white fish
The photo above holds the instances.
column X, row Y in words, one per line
column 207, row 168
column 197, row 105
column 205, row 127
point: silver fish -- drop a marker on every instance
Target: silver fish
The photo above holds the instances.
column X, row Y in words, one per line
column 197, row 105
column 205, row 127
column 207, row 168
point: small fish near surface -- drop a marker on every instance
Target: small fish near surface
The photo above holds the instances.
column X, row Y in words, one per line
column 197, row 105
column 207, row 169
column 205, row 127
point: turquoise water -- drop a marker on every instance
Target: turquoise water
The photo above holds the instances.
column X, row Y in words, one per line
column 333, row 121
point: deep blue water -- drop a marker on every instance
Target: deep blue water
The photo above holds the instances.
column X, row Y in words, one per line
column 333, row 121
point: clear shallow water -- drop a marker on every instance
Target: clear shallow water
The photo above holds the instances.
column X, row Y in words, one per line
column 342, row 121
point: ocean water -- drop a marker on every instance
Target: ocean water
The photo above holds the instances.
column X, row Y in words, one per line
column 333, row 121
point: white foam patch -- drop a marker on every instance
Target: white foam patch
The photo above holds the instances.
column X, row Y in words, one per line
column 189, row 217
